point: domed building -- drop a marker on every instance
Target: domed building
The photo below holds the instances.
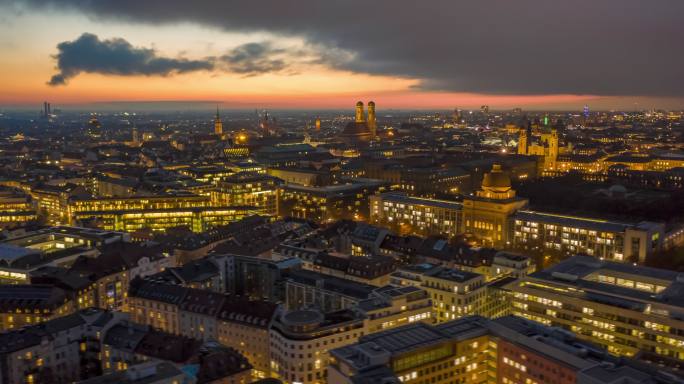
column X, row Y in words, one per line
column 361, row 130
column 496, row 185
column 487, row 214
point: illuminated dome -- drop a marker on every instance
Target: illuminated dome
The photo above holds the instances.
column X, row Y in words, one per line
column 359, row 104
column 371, row 103
column 496, row 180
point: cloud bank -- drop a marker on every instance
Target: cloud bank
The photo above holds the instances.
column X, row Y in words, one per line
column 599, row 47
column 116, row 57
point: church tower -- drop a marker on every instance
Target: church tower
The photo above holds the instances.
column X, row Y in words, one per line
column 218, row 125
column 360, row 118
column 372, row 123
column 522, row 141
column 550, row 161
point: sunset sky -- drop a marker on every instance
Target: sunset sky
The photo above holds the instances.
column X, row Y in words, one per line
column 311, row 54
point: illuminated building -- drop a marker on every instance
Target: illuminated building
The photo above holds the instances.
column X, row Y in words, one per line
column 218, row 125
column 671, row 178
column 113, row 270
column 207, row 174
column 60, row 350
column 302, row 176
column 105, row 186
column 645, row 162
column 371, row 270
column 627, row 309
column 24, row 253
column 94, row 129
column 244, row 325
column 156, row 305
column 560, row 235
column 53, row 200
column 453, row 352
column 328, row 203
column 454, row 293
column 358, row 131
column 22, row 305
column 154, row 212
column 546, row 146
column 420, row 181
column 15, row 208
column 486, row 215
column 284, row 155
column 474, row 350
column 79, row 287
column 390, row 307
column 234, row 321
column 301, row 339
column 372, row 121
column 318, row 124
column 585, row 164
column 413, row 215
column 235, row 151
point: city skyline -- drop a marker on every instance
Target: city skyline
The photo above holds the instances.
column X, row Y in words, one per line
column 534, row 55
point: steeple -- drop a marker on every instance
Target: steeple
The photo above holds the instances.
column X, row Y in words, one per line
column 218, row 125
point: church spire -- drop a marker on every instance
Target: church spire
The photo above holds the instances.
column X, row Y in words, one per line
column 218, row 125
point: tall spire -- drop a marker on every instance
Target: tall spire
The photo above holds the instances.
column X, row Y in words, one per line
column 218, row 125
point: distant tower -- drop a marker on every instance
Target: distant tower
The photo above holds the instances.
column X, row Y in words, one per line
column 522, row 141
column 551, row 160
column 585, row 111
column 456, row 116
column 372, row 122
column 218, row 125
column 135, row 136
column 318, row 124
column 359, row 112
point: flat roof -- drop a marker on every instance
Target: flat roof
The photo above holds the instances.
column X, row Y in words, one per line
column 572, row 221
column 403, row 198
column 9, row 252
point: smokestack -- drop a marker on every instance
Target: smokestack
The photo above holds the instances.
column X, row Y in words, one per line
column 359, row 112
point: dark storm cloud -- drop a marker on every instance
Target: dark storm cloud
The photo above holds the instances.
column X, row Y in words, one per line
column 604, row 47
column 253, row 59
column 117, row 57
